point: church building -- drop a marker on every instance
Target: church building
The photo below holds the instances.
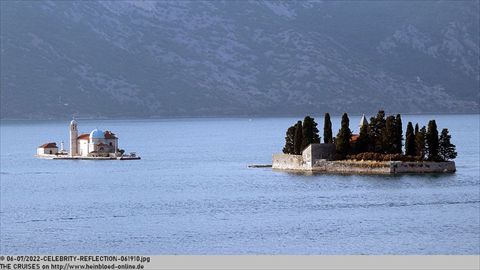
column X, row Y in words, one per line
column 97, row 143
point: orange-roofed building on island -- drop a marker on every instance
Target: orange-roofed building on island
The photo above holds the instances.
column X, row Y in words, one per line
column 96, row 144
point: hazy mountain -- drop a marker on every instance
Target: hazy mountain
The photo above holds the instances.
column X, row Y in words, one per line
column 142, row 59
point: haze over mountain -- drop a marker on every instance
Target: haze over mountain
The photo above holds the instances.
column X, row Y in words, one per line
column 234, row 58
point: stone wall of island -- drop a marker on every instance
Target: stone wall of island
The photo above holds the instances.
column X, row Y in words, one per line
column 297, row 163
column 351, row 166
column 289, row 162
column 422, row 167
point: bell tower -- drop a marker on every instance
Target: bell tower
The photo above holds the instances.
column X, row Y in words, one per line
column 363, row 122
column 73, row 138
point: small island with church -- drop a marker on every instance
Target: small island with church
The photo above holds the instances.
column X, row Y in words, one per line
column 96, row 145
column 376, row 149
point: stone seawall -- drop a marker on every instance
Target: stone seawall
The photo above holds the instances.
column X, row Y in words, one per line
column 350, row 166
column 422, row 167
column 297, row 163
column 289, row 162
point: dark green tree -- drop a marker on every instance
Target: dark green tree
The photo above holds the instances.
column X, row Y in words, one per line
column 410, row 140
column 297, row 142
column 372, row 134
column 432, row 141
column 446, row 149
column 388, row 136
column 416, row 129
column 342, row 140
column 381, row 117
column 420, row 148
column 309, row 132
column 398, row 134
column 289, row 141
column 376, row 126
column 363, row 141
column 327, row 129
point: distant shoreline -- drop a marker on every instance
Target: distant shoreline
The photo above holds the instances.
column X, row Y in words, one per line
column 203, row 117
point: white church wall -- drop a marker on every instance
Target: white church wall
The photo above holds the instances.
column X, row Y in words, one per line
column 47, row 151
column 83, row 148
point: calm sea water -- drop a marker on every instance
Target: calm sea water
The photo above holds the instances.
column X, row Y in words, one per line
column 192, row 193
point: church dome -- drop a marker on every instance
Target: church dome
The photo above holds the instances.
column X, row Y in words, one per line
column 96, row 134
column 73, row 122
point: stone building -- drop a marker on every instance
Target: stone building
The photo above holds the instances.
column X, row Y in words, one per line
column 47, row 149
column 363, row 122
column 93, row 144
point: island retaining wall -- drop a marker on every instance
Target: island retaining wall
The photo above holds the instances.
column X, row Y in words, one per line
column 289, row 162
column 297, row 163
column 350, row 166
column 422, row 167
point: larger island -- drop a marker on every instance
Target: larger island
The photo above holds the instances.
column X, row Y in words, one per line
column 377, row 149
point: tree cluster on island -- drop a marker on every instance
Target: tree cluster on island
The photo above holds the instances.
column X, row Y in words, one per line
column 301, row 135
column 381, row 139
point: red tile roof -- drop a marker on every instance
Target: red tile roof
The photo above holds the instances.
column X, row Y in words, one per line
column 110, row 135
column 85, row 136
column 48, row 145
column 354, row 137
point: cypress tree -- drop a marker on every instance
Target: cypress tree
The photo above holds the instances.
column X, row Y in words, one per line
column 362, row 143
column 327, row 129
column 388, row 136
column 398, row 134
column 381, row 117
column 297, row 142
column 371, row 134
column 289, row 141
column 417, row 130
column 309, row 132
column 432, row 141
column 342, row 141
column 410, row 140
column 420, row 149
column 446, row 149
column 376, row 126
column 316, row 137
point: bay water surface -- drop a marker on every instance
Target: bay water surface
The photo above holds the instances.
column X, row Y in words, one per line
column 192, row 193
